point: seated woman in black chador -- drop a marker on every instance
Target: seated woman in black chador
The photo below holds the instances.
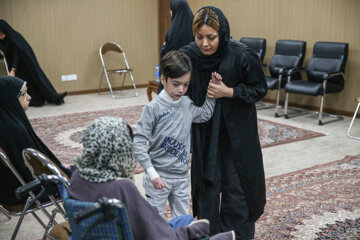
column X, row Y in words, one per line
column 23, row 64
column 180, row 30
column 16, row 134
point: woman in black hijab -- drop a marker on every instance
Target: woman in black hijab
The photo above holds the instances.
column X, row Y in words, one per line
column 226, row 155
column 23, row 63
column 16, row 135
column 179, row 33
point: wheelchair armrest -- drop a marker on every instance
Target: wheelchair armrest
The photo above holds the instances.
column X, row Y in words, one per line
column 332, row 74
column 79, row 216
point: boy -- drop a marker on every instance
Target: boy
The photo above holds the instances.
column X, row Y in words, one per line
column 166, row 124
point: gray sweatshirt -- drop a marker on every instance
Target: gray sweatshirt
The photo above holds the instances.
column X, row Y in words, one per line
column 166, row 125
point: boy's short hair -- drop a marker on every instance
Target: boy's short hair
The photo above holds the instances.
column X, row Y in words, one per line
column 175, row 64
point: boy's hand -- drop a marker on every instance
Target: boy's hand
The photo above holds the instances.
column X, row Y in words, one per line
column 215, row 78
column 158, row 183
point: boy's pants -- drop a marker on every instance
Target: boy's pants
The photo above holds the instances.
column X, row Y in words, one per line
column 177, row 192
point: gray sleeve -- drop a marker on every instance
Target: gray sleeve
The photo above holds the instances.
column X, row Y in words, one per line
column 142, row 136
column 203, row 113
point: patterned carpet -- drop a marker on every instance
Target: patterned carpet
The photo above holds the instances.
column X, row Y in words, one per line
column 62, row 134
column 322, row 202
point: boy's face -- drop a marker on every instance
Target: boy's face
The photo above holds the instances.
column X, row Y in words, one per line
column 176, row 87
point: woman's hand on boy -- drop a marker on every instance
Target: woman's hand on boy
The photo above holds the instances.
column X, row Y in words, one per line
column 219, row 90
column 158, row 183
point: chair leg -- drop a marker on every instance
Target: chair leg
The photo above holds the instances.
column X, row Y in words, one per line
column 133, row 82
column 5, row 212
column 277, row 104
column 50, row 225
column 321, row 111
column 286, row 106
column 123, row 81
column 352, row 123
column 108, row 81
column 58, row 206
column 320, row 114
column 101, row 77
column 27, row 205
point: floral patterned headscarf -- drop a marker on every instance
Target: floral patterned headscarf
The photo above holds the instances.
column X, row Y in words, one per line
column 108, row 151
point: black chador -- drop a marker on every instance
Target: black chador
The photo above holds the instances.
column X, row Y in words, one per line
column 16, row 134
column 180, row 31
column 226, row 153
column 21, row 57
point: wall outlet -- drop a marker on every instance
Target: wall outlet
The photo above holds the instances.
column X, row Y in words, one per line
column 70, row 77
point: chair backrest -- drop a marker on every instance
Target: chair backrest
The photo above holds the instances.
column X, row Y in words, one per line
column 6, row 161
column 112, row 47
column 119, row 228
column 288, row 53
column 257, row 44
column 327, row 57
column 38, row 164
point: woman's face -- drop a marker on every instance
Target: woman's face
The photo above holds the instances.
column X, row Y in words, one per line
column 207, row 40
column 24, row 97
column 2, row 36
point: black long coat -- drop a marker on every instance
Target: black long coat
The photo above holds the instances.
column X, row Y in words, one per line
column 241, row 70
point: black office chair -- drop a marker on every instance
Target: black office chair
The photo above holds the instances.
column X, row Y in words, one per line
column 325, row 74
column 288, row 54
column 256, row 44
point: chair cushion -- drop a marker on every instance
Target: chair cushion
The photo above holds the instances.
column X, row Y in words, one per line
column 304, row 87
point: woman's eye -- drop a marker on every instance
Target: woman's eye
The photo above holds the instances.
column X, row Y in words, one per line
column 199, row 37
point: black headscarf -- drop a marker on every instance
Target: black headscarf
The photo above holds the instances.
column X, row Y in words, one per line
column 209, row 62
column 180, row 31
column 241, row 70
column 16, row 134
column 28, row 68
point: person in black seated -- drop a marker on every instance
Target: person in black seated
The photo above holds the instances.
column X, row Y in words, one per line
column 23, row 64
column 16, row 134
column 105, row 169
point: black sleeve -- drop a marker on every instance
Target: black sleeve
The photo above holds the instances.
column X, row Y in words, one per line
column 254, row 87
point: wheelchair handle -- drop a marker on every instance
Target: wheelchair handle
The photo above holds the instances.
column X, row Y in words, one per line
column 42, row 180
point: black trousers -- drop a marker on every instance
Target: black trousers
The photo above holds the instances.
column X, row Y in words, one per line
column 224, row 203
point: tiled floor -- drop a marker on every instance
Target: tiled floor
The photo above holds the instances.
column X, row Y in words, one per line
column 278, row 160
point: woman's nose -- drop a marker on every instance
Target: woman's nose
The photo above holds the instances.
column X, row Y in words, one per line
column 205, row 42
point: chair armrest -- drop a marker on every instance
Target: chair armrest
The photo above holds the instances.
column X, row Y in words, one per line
column 294, row 70
column 282, row 70
column 332, row 74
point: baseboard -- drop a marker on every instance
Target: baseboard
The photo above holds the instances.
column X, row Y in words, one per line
column 105, row 90
column 311, row 108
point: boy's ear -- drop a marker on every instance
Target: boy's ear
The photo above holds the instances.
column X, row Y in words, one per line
column 162, row 79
